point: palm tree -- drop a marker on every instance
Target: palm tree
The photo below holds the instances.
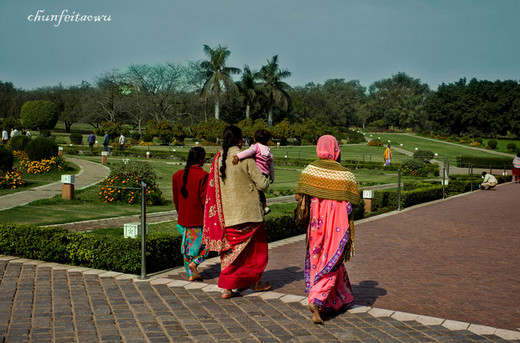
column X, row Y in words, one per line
column 271, row 74
column 248, row 87
column 216, row 74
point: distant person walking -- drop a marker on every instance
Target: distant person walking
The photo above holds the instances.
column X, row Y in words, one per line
column 516, row 168
column 106, row 142
column 388, row 155
column 333, row 192
column 189, row 195
column 91, row 140
column 121, row 142
column 5, row 136
column 489, row 181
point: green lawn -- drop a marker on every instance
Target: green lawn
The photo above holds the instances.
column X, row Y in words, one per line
column 439, row 147
column 170, row 226
column 87, row 207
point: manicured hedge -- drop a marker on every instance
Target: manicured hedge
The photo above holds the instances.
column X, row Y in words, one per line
column 94, row 251
column 460, row 183
column 116, row 253
column 131, row 152
column 485, row 162
column 420, row 195
column 389, row 198
column 353, row 164
column 6, row 158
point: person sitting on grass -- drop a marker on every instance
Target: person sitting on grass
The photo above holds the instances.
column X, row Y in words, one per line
column 489, row 181
column 263, row 159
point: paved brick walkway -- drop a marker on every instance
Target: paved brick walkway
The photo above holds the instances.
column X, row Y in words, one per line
column 456, row 259
column 46, row 302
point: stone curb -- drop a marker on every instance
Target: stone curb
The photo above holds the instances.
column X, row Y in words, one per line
column 286, row 298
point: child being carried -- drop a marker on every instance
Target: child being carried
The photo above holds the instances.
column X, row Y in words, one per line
column 263, row 159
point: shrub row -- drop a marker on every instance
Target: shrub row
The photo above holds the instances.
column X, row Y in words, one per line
column 93, row 251
column 353, row 164
column 460, row 183
column 114, row 253
column 484, row 162
column 423, row 193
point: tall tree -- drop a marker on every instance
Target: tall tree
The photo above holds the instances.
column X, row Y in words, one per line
column 248, row 87
column 400, row 100
column 157, row 84
column 276, row 89
column 217, row 74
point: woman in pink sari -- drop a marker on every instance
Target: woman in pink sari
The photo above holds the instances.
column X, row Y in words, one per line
column 234, row 218
column 330, row 234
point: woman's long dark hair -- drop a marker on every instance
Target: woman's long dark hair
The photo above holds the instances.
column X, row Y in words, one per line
column 232, row 136
column 194, row 156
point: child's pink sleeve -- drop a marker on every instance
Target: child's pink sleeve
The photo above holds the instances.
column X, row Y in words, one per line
column 251, row 151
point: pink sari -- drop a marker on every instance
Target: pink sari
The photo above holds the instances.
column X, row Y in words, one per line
column 243, row 248
column 326, row 278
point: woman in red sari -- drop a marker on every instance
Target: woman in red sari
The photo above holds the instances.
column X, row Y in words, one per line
column 233, row 218
column 330, row 234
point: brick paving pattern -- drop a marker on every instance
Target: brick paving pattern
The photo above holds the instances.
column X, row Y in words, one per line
column 456, row 259
column 44, row 302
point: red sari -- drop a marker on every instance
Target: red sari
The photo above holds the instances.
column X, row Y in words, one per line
column 243, row 248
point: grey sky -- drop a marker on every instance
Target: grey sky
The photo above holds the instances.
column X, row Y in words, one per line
column 436, row 41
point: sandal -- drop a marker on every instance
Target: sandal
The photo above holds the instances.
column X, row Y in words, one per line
column 261, row 287
column 195, row 278
column 228, row 294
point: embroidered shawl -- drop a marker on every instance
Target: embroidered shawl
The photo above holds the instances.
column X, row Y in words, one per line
column 327, row 179
column 214, row 231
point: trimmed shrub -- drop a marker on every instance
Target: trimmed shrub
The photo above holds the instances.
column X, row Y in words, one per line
column 492, row 144
column 39, row 114
column 148, row 138
column 76, row 138
column 354, row 137
column 465, row 139
column 408, row 186
column 41, row 148
column 389, row 198
column 6, row 158
column 420, row 195
column 124, row 184
column 93, row 251
column 45, row 133
column 483, row 162
column 353, row 164
column 453, row 138
column 511, row 147
column 423, row 155
column 282, row 226
column 18, row 143
column 415, row 167
column 135, row 138
column 375, row 142
column 111, row 252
